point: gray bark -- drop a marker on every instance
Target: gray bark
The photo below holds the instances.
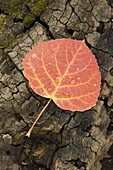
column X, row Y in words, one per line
column 61, row 140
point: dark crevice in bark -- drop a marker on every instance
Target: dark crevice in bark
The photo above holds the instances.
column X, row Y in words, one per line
column 89, row 45
column 79, row 164
column 96, row 48
column 110, row 3
column 107, row 162
column 70, row 31
column 111, row 71
column 15, row 20
column 14, row 65
column 110, row 126
column 100, row 29
column 45, row 25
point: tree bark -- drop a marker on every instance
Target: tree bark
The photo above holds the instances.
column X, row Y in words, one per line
column 61, row 140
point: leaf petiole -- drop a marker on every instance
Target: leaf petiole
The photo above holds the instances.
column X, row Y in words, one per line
column 30, row 130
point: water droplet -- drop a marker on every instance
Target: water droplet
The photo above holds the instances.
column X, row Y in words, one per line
column 51, row 45
column 65, row 65
column 70, row 77
column 34, row 55
column 94, row 84
column 58, row 78
column 49, row 89
column 72, row 82
column 78, row 78
column 77, row 69
column 49, row 63
column 40, row 90
column 64, row 95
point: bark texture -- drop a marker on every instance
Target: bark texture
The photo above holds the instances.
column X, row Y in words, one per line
column 62, row 140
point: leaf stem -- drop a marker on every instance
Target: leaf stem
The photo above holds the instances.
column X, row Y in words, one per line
column 30, row 130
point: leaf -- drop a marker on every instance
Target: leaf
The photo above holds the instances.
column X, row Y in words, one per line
column 66, row 71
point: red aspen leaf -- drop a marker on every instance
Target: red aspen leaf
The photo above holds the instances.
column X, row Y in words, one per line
column 66, row 71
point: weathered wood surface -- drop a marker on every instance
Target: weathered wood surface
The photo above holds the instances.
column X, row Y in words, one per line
column 62, row 140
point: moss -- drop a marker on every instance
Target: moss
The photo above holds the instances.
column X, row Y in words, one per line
column 18, row 9
column 9, row 62
column 15, row 8
column 7, row 40
column 6, row 36
column 38, row 7
column 28, row 20
column 110, row 2
column 2, row 22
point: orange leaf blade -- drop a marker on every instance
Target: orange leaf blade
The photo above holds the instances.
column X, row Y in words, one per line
column 66, row 71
